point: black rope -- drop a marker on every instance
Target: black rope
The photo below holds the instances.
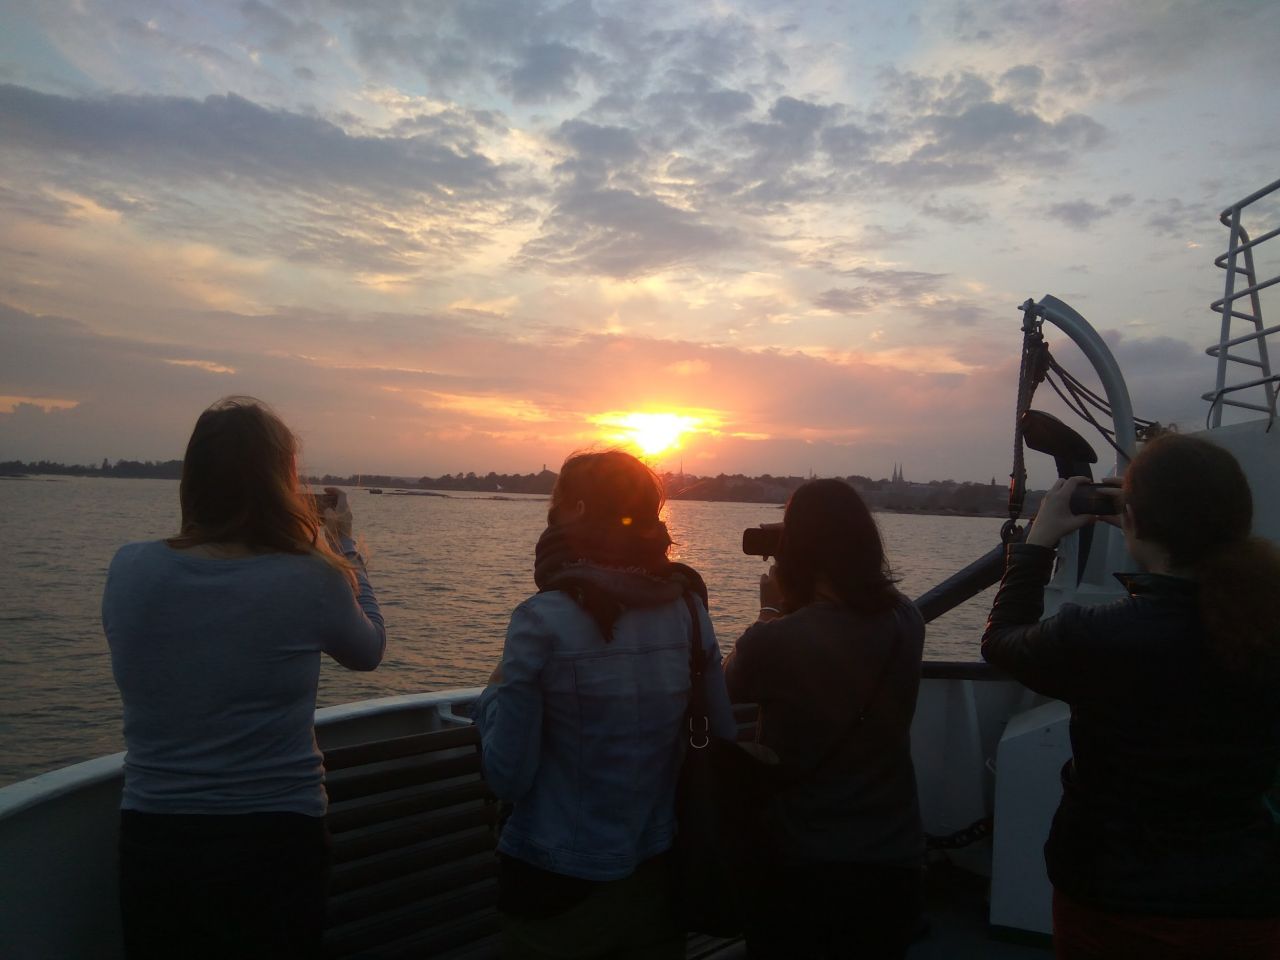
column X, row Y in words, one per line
column 1077, row 407
column 1071, row 402
column 1083, row 398
column 1095, row 400
column 1080, row 399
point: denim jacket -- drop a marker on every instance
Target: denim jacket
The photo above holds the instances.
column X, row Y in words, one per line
column 586, row 737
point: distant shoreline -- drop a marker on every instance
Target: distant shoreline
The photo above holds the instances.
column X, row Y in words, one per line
column 709, row 492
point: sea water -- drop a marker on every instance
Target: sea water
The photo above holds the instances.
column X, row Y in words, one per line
column 447, row 571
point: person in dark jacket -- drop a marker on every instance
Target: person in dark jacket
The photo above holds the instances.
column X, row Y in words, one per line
column 834, row 663
column 1162, row 844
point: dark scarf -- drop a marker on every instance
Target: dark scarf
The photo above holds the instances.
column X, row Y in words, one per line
column 609, row 571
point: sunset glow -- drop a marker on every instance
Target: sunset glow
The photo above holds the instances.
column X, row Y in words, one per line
column 650, row 434
column 731, row 238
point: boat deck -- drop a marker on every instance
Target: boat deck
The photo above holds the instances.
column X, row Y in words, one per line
column 955, row 912
column 954, row 927
column 412, row 823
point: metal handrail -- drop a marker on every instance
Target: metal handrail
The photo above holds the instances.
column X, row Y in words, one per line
column 1221, row 260
column 1240, row 247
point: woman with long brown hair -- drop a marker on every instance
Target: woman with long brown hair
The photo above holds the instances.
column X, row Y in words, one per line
column 834, row 662
column 216, row 636
column 583, row 721
column 1162, row 845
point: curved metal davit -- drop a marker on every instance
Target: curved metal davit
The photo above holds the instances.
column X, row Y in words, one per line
column 1104, row 364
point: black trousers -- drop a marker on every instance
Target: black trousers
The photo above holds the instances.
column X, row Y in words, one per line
column 546, row 916
column 868, row 911
column 245, row 886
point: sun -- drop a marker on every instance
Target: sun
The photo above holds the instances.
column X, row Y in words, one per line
column 655, row 433
column 651, row 434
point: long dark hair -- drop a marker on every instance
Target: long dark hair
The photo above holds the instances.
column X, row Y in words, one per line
column 1191, row 497
column 240, row 485
column 828, row 533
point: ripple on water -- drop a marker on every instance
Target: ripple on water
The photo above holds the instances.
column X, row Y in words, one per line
column 448, row 572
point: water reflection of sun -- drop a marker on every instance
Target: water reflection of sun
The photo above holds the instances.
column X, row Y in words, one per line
column 649, row 434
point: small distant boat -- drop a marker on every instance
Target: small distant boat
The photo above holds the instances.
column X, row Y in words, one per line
column 375, row 489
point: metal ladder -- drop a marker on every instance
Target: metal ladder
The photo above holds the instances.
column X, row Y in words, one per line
column 1241, row 248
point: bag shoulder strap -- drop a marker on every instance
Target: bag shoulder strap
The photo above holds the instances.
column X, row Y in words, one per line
column 697, row 714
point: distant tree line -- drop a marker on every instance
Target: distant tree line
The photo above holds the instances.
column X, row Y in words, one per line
column 540, row 483
column 130, row 469
column 936, row 496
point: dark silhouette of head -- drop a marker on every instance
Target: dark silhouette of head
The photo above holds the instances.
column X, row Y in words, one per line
column 1189, row 496
column 240, row 482
column 830, row 540
column 615, row 489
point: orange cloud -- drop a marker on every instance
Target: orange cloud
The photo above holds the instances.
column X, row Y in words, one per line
column 8, row 403
column 207, row 365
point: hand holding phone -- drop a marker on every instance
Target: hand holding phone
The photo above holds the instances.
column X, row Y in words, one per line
column 1094, row 498
column 320, row 502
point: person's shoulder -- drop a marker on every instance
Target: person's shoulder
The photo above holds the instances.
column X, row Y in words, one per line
column 141, row 552
column 907, row 616
column 1124, row 618
column 765, row 634
column 552, row 618
column 138, row 566
column 314, row 568
column 548, row 601
column 897, row 609
column 551, row 607
column 310, row 580
column 137, row 547
column 313, row 560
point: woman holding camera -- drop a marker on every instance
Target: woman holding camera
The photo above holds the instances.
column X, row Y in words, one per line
column 583, row 721
column 216, row 636
column 1162, row 845
column 834, row 663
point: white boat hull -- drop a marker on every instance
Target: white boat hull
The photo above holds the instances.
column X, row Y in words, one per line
column 58, row 831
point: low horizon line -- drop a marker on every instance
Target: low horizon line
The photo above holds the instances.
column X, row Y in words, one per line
column 317, row 475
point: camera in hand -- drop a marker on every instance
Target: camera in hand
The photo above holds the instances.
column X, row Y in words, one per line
column 762, row 541
column 320, row 502
column 1090, row 498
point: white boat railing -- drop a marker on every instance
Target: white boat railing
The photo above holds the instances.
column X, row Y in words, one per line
column 1239, row 262
column 58, row 831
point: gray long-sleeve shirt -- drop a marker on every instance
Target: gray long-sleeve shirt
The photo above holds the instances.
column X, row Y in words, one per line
column 217, row 661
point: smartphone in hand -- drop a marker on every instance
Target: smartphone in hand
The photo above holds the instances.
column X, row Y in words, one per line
column 1091, row 498
column 320, row 502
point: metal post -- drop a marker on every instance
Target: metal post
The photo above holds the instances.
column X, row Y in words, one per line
column 1255, row 304
column 1215, row 413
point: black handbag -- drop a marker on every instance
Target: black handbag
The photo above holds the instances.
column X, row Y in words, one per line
column 722, row 799
column 723, row 844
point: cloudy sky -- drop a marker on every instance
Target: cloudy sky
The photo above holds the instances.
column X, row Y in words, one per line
column 479, row 234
